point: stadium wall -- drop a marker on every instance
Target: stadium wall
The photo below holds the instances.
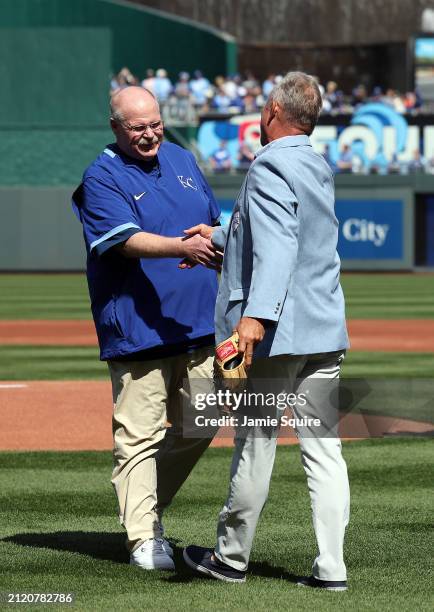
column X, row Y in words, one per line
column 57, row 58
column 325, row 22
column 141, row 37
column 40, row 232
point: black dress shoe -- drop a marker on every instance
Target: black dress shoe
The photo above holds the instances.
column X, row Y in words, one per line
column 200, row 559
column 328, row 585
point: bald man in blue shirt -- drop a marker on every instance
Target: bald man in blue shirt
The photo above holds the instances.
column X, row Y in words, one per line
column 154, row 321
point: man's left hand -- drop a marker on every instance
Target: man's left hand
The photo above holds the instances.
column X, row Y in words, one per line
column 251, row 331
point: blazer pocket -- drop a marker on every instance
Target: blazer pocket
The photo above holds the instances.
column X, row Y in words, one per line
column 238, row 295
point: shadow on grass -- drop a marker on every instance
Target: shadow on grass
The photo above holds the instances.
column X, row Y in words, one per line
column 99, row 545
column 111, row 547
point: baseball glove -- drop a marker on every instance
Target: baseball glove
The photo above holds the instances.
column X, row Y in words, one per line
column 229, row 362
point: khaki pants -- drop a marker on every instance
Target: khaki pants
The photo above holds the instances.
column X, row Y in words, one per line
column 150, row 462
column 325, row 469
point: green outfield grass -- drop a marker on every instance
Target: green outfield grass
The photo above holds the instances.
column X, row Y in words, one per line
column 371, row 296
column 44, row 296
column 389, row 296
column 59, row 533
column 82, row 363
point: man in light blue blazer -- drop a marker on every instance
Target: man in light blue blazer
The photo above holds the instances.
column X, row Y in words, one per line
column 280, row 290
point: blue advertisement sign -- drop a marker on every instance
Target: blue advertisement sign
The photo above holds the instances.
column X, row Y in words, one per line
column 370, row 229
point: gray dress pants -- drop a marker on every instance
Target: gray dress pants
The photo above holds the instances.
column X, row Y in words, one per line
column 325, row 468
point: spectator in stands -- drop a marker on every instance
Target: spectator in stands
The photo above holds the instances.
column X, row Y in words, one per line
column 124, row 78
column 162, row 86
column 409, row 100
column 327, row 156
column 398, row 103
column 241, row 90
column 250, row 104
column 345, row 161
column 149, row 80
column 389, row 98
column 330, row 94
column 394, row 166
column 200, row 89
column 268, row 84
column 377, row 94
column 221, row 101
column 230, row 88
column 182, row 86
column 182, row 95
column 412, row 100
column 128, row 76
column 393, row 100
column 417, row 164
column 234, row 91
column 245, row 156
column 359, row 95
column 251, row 83
column 220, row 160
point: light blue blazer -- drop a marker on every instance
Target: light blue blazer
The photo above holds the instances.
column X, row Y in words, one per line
column 280, row 260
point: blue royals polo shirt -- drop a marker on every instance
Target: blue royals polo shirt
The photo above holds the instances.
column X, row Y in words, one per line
column 144, row 305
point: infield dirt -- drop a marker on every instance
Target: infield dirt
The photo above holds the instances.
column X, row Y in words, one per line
column 76, row 415
column 415, row 335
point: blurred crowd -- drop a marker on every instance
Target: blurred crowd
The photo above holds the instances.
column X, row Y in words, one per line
column 351, row 162
column 192, row 95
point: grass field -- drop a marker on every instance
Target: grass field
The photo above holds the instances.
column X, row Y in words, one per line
column 368, row 296
column 20, row 362
column 59, row 533
column 58, row 527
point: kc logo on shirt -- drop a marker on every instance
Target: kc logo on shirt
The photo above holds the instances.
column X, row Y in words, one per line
column 187, row 182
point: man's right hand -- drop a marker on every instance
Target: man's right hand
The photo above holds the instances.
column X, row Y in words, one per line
column 198, row 249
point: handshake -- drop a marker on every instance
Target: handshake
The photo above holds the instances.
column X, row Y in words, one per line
column 198, row 248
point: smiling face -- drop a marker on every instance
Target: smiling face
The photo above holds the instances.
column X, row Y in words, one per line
column 136, row 123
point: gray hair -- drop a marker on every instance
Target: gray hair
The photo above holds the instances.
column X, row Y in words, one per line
column 115, row 113
column 299, row 97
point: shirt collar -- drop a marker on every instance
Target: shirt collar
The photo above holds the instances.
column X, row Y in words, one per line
column 148, row 166
column 285, row 141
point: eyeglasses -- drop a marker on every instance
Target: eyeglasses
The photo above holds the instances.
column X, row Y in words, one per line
column 156, row 126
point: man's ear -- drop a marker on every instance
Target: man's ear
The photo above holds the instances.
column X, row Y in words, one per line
column 277, row 111
column 113, row 124
column 274, row 112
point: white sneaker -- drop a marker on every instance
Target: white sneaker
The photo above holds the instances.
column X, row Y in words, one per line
column 152, row 555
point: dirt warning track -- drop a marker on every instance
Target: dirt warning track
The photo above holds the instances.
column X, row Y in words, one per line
column 76, row 415
column 401, row 335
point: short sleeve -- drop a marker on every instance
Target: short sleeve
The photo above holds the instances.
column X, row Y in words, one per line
column 105, row 213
